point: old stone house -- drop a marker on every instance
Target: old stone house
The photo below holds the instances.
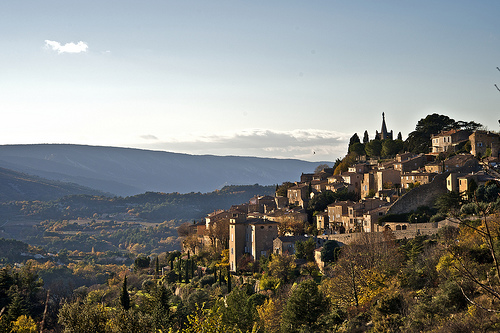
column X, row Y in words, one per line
column 250, row 236
column 480, row 141
column 447, row 141
column 416, row 177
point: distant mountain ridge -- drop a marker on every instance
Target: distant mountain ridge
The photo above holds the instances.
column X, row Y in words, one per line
column 17, row 186
column 128, row 171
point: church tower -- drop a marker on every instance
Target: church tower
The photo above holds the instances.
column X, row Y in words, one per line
column 383, row 133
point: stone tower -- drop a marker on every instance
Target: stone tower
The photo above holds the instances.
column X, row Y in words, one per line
column 383, row 133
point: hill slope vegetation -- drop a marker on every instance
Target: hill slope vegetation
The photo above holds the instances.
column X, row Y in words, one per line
column 125, row 171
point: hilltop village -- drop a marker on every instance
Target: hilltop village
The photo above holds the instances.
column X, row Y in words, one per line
column 374, row 194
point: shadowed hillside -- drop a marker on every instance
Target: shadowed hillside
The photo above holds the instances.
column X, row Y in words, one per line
column 16, row 186
column 125, row 171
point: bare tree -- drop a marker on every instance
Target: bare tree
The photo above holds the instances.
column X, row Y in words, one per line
column 496, row 84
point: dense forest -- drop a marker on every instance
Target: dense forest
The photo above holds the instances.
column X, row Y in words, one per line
column 150, row 206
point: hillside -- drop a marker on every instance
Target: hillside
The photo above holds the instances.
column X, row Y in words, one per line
column 126, row 171
column 17, row 186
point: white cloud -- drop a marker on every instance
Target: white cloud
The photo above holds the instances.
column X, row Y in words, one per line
column 149, row 137
column 66, row 48
column 308, row 144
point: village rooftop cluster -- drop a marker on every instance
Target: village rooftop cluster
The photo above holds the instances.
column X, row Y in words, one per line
column 267, row 224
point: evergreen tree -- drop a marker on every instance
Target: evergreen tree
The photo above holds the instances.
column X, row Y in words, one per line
column 354, row 139
column 330, row 251
column 179, row 268
column 228, row 280
column 124, row 295
column 15, row 309
column 400, row 137
column 160, row 310
column 366, row 138
column 157, row 267
column 304, row 307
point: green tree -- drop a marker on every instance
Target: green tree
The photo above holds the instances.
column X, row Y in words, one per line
column 357, row 148
column 449, row 202
column 366, row 138
column 373, row 148
column 24, row 324
column 141, row 262
column 207, row 321
column 239, row 313
column 305, row 249
column 281, row 266
column 321, row 200
column 122, row 321
column 419, row 140
column 303, row 309
column 83, row 318
column 281, row 190
column 159, row 308
column 354, row 139
column 330, row 251
column 391, row 147
column 124, row 295
column 320, row 168
column 157, row 266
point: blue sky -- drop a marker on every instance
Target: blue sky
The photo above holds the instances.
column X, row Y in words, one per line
column 272, row 79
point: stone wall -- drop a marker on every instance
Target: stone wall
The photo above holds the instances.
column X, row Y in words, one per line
column 413, row 230
column 423, row 195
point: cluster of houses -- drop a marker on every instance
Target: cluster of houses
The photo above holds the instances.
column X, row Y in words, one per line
column 255, row 228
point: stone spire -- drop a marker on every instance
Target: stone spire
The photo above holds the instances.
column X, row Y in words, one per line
column 384, row 134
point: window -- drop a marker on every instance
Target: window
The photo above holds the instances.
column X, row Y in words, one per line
column 232, row 251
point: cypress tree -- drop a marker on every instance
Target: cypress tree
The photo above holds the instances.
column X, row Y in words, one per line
column 228, row 280
column 179, row 266
column 366, row 138
column 157, row 267
column 124, row 296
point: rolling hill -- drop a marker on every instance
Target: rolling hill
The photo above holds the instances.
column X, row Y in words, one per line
column 127, row 171
column 16, row 186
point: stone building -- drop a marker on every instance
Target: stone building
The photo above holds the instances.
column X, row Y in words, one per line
column 447, row 141
column 250, row 236
column 482, row 140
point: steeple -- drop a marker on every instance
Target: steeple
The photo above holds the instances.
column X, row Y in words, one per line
column 384, row 128
column 383, row 133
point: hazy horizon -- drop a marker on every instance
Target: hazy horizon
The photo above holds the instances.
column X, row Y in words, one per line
column 284, row 79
